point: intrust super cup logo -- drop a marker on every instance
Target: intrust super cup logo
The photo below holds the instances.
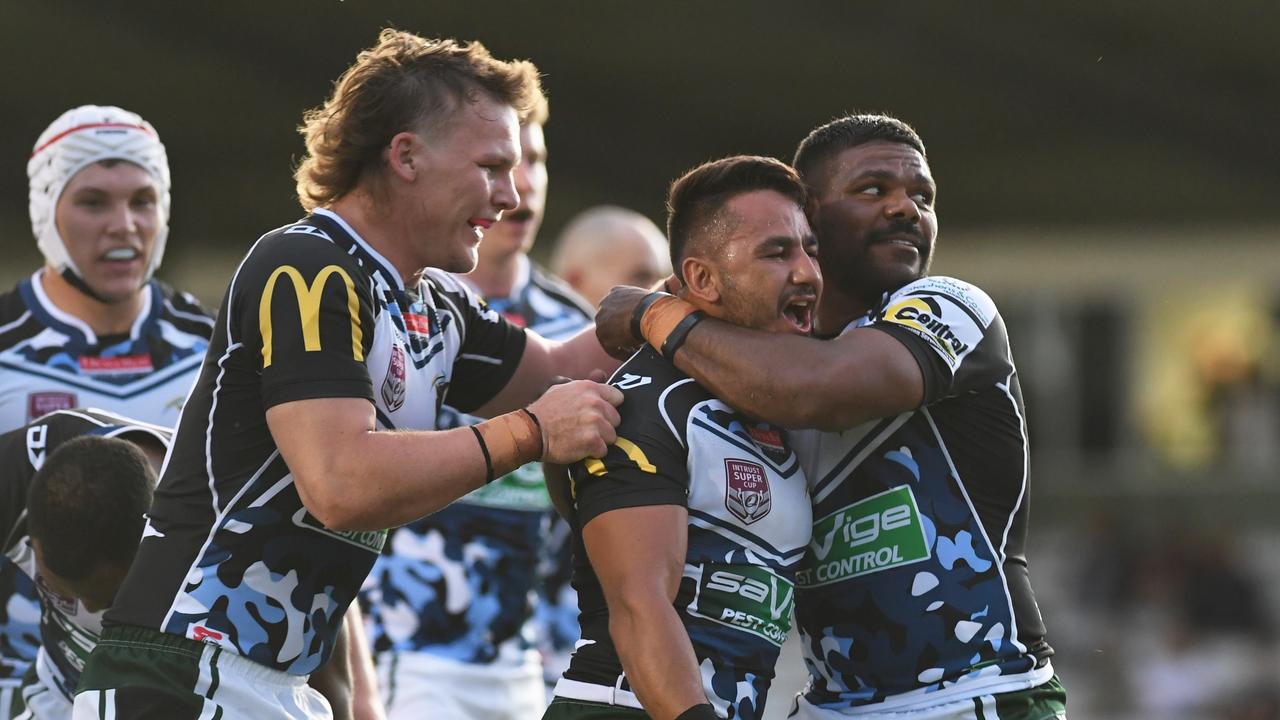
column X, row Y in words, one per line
column 746, row 490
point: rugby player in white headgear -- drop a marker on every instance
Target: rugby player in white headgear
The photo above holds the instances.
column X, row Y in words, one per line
column 99, row 198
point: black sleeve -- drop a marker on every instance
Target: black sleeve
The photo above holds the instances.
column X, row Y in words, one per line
column 954, row 332
column 491, row 346
column 646, row 466
column 304, row 308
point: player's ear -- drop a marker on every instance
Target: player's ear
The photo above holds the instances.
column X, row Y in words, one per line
column 402, row 156
column 701, row 280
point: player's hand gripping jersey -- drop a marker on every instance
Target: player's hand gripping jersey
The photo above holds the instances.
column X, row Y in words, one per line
column 748, row 527
column 230, row 555
column 915, row 588
column 68, row 632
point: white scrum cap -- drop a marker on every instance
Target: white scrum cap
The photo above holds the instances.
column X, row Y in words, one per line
column 79, row 137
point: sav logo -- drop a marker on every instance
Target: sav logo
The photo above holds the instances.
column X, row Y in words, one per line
column 924, row 316
column 881, row 532
column 393, row 386
column 43, row 403
column 308, row 297
column 747, row 597
column 746, row 490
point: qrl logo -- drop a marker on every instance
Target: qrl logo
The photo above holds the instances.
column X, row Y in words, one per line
column 746, row 490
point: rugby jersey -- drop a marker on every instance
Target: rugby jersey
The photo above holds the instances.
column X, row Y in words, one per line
column 460, row 583
column 230, row 555
column 749, row 521
column 68, row 632
column 50, row 360
column 915, row 590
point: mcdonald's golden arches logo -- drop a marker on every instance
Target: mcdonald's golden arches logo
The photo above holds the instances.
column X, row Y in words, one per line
column 308, row 297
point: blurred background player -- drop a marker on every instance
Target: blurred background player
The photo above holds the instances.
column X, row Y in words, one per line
column 92, row 327
column 609, row 245
column 449, row 608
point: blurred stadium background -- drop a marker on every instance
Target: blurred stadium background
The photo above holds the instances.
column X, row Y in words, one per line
column 1108, row 171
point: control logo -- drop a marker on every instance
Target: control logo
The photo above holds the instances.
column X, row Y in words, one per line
column 881, row 532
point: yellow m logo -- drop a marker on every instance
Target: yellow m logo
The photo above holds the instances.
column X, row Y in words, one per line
column 308, row 297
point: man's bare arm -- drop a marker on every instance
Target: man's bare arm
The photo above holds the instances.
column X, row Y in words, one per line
column 351, row 476
column 546, row 361
column 801, row 382
column 638, row 555
column 789, row 380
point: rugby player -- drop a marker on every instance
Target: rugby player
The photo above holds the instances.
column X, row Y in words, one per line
column 689, row 532
column 92, row 326
column 450, row 606
column 74, row 486
column 606, row 246
column 310, row 429
column 915, row 597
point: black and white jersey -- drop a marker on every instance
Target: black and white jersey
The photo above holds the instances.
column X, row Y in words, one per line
column 915, row 590
column 230, row 555
column 749, row 518
column 50, row 360
column 68, row 632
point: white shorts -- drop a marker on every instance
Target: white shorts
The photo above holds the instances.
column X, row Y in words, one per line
column 420, row 685
column 42, row 698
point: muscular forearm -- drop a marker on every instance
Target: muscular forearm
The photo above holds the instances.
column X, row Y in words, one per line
column 657, row 657
column 767, row 375
column 333, row 679
column 383, row 479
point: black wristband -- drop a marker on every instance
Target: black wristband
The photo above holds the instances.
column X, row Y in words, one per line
column 699, row 712
column 638, row 314
column 484, row 450
column 679, row 333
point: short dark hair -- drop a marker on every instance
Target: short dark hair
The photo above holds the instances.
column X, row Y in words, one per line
column 698, row 195
column 404, row 82
column 850, row 131
column 86, row 504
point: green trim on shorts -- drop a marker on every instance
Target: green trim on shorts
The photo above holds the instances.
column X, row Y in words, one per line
column 1046, row 701
column 154, row 674
column 570, row 709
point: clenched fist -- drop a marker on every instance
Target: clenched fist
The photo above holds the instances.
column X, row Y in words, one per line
column 578, row 420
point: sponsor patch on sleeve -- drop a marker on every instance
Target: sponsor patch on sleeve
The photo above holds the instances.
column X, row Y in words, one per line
column 950, row 316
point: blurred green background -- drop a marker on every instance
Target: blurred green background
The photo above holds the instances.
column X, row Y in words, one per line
column 1107, row 170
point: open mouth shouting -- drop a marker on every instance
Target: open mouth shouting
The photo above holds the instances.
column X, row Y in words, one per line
column 798, row 311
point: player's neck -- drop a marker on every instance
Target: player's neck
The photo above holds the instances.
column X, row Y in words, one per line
column 496, row 278
column 380, row 231
column 103, row 318
column 836, row 310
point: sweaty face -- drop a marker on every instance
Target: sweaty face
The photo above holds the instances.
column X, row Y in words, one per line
column 463, row 183
column 108, row 216
column 516, row 231
column 769, row 278
column 875, row 219
column 96, row 591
